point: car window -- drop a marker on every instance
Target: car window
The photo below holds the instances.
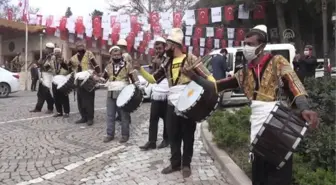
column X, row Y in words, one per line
column 283, row 52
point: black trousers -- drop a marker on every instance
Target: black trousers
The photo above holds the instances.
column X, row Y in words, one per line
column 264, row 173
column 157, row 111
column 33, row 84
column 180, row 129
column 85, row 102
column 61, row 101
column 43, row 94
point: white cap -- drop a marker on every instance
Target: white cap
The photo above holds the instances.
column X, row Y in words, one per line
column 176, row 35
column 57, row 50
column 122, row 42
column 160, row 39
column 50, row 45
column 261, row 27
column 113, row 48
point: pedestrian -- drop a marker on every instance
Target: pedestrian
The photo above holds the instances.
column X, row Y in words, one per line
column 219, row 65
column 34, row 76
column 307, row 64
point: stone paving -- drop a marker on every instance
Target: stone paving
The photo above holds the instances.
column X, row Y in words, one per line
column 39, row 149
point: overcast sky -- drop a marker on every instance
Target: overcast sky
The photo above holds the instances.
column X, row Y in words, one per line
column 58, row 7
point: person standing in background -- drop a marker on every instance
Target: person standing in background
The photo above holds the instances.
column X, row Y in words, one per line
column 307, row 64
column 219, row 66
column 34, row 77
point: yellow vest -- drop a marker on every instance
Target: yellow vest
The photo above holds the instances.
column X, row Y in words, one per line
column 84, row 63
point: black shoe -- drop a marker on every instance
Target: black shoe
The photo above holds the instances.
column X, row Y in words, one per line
column 186, row 171
column 66, row 115
column 108, row 139
column 57, row 115
column 34, row 110
column 123, row 139
column 170, row 169
column 90, row 122
column 163, row 144
column 49, row 112
column 148, row 145
column 81, row 121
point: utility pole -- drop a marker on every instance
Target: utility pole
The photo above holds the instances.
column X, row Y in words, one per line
column 325, row 36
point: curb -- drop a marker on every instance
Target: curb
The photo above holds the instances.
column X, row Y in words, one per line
column 235, row 174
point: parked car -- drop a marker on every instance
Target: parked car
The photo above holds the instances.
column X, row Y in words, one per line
column 9, row 82
column 320, row 68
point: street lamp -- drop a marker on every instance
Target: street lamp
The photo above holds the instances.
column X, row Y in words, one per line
column 41, row 42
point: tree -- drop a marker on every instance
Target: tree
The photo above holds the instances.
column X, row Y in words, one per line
column 146, row 6
column 96, row 13
column 68, row 12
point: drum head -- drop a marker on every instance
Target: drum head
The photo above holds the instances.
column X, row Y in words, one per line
column 125, row 95
column 189, row 96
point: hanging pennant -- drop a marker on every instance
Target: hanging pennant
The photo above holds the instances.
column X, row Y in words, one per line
column 229, row 12
column 203, row 16
column 97, row 29
column 219, row 33
column 177, row 20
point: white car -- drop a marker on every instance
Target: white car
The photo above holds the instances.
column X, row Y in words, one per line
column 9, row 82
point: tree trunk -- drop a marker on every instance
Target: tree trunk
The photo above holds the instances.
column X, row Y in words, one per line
column 281, row 20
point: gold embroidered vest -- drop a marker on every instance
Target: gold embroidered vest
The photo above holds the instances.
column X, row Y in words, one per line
column 121, row 74
column 84, row 63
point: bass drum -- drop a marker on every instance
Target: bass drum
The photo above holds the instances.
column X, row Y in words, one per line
column 196, row 103
column 66, row 85
column 130, row 98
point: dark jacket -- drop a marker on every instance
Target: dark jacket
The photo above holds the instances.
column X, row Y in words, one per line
column 219, row 67
column 306, row 67
column 34, row 73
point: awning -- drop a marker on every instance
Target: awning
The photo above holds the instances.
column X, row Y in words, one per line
column 13, row 29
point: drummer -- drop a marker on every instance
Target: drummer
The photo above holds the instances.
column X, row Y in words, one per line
column 118, row 73
column 158, row 100
column 84, row 60
column 260, row 91
column 61, row 99
column 179, row 128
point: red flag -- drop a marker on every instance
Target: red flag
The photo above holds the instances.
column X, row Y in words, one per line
column 209, row 43
column 63, row 22
column 219, row 33
column 97, row 27
column 157, row 30
column 259, row 11
column 147, row 37
column 229, row 12
column 79, row 27
column 130, row 38
column 134, row 19
column 154, row 18
column 116, row 28
column 114, row 37
column 195, row 42
column 198, row 32
column 113, row 20
column 177, row 21
column 203, row 15
column 136, row 28
column 240, row 34
column 224, row 43
column 237, row 43
column 10, row 14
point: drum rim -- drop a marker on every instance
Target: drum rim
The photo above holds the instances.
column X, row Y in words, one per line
column 129, row 99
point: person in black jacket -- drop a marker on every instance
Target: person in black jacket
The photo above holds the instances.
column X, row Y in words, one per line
column 219, row 66
column 34, row 77
column 306, row 65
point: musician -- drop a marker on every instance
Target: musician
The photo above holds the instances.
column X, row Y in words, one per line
column 84, row 60
column 158, row 100
column 47, row 71
column 61, row 99
column 179, row 128
column 260, row 85
column 118, row 73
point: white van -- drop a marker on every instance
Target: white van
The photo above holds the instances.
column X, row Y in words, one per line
column 235, row 62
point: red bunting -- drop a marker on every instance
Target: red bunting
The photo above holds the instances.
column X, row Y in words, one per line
column 116, row 28
column 10, row 14
column 97, row 30
column 63, row 22
column 177, row 20
column 237, row 43
column 195, row 41
column 259, row 11
column 224, row 43
column 114, row 37
column 240, row 34
column 113, row 20
column 219, row 32
column 229, row 12
column 79, row 26
column 157, row 30
column 203, row 15
column 154, row 18
column 198, row 32
column 147, row 37
column 209, row 43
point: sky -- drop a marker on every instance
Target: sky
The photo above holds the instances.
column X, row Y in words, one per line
column 58, row 7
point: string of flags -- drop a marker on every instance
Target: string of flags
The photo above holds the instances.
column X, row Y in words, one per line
column 141, row 31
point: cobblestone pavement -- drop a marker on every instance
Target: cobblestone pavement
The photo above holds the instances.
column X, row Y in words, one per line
column 39, row 149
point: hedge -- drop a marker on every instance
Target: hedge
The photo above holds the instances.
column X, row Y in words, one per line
column 314, row 161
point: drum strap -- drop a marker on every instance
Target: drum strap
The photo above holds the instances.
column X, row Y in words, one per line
column 278, row 81
column 116, row 73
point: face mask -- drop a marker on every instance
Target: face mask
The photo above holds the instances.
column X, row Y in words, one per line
column 306, row 53
column 249, row 52
column 81, row 51
column 170, row 53
column 116, row 60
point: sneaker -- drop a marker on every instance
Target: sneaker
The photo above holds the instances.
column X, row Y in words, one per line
column 163, row 144
column 57, row 115
column 186, row 171
column 123, row 139
column 81, row 121
column 108, row 139
column 170, row 169
column 148, row 145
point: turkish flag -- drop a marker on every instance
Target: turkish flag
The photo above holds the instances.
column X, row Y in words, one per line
column 198, row 32
column 113, row 20
column 177, row 20
column 209, row 43
column 229, row 12
column 10, row 14
column 49, row 23
column 116, row 28
column 259, row 11
column 114, row 37
column 195, row 42
column 223, row 43
column 147, row 37
column 154, row 18
column 203, row 15
column 157, row 30
column 240, row 34
column 136, row 28
column 130, row 38
column 79, row 27
column 63, row 22
column 219, row 32
column 97, row 27
column 237, row 43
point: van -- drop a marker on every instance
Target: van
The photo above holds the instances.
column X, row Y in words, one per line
column 235, row 62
